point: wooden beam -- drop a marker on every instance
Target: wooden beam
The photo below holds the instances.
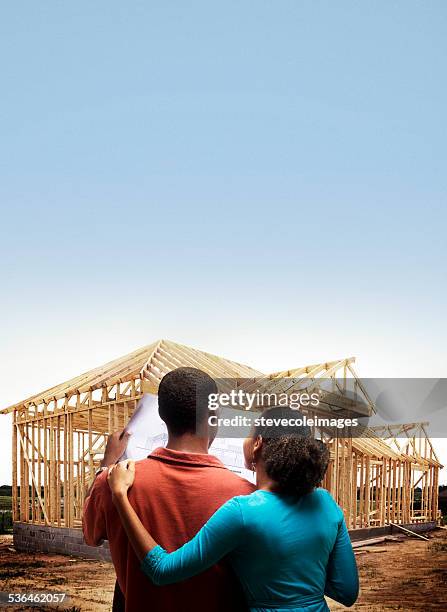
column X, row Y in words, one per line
column 42, row 505
column 15, row 501
column 408, row 531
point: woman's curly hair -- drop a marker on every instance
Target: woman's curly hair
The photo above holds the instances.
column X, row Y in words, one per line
column 295, row 460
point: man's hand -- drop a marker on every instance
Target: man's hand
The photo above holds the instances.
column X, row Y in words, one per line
column 116, row 445
column 121, row 477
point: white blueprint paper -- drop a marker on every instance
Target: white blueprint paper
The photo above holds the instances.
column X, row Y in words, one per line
column 147, row 430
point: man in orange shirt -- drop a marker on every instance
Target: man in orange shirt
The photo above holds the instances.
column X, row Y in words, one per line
column 175, row 492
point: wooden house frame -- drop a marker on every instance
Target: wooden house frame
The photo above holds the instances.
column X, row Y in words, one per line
column 59, row 435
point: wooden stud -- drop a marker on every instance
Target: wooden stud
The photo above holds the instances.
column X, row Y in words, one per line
column 15, row 504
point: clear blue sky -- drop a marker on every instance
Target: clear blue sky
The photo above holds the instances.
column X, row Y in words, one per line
column 264, row 180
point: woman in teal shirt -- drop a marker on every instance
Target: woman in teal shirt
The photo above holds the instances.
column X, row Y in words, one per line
column 287, row 542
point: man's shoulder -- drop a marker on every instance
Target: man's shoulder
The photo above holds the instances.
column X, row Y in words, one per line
column 146, row 469
column 101, row 486
column 146, row 463
column 235, row 483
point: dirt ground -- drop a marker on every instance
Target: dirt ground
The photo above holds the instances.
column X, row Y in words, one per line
column 408, row 575
column 88, row 583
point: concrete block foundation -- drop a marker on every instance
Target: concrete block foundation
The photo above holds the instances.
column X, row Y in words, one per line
column 63, row 540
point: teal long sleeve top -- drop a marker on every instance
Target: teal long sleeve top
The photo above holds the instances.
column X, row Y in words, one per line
column 287, row 554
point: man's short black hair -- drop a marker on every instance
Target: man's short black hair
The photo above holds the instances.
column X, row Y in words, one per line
column 183, row 399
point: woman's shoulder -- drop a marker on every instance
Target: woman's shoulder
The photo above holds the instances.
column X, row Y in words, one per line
column 260, row 497
column 322, row 495
column 325, row 498
column 254, row 499
column 248, row 498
